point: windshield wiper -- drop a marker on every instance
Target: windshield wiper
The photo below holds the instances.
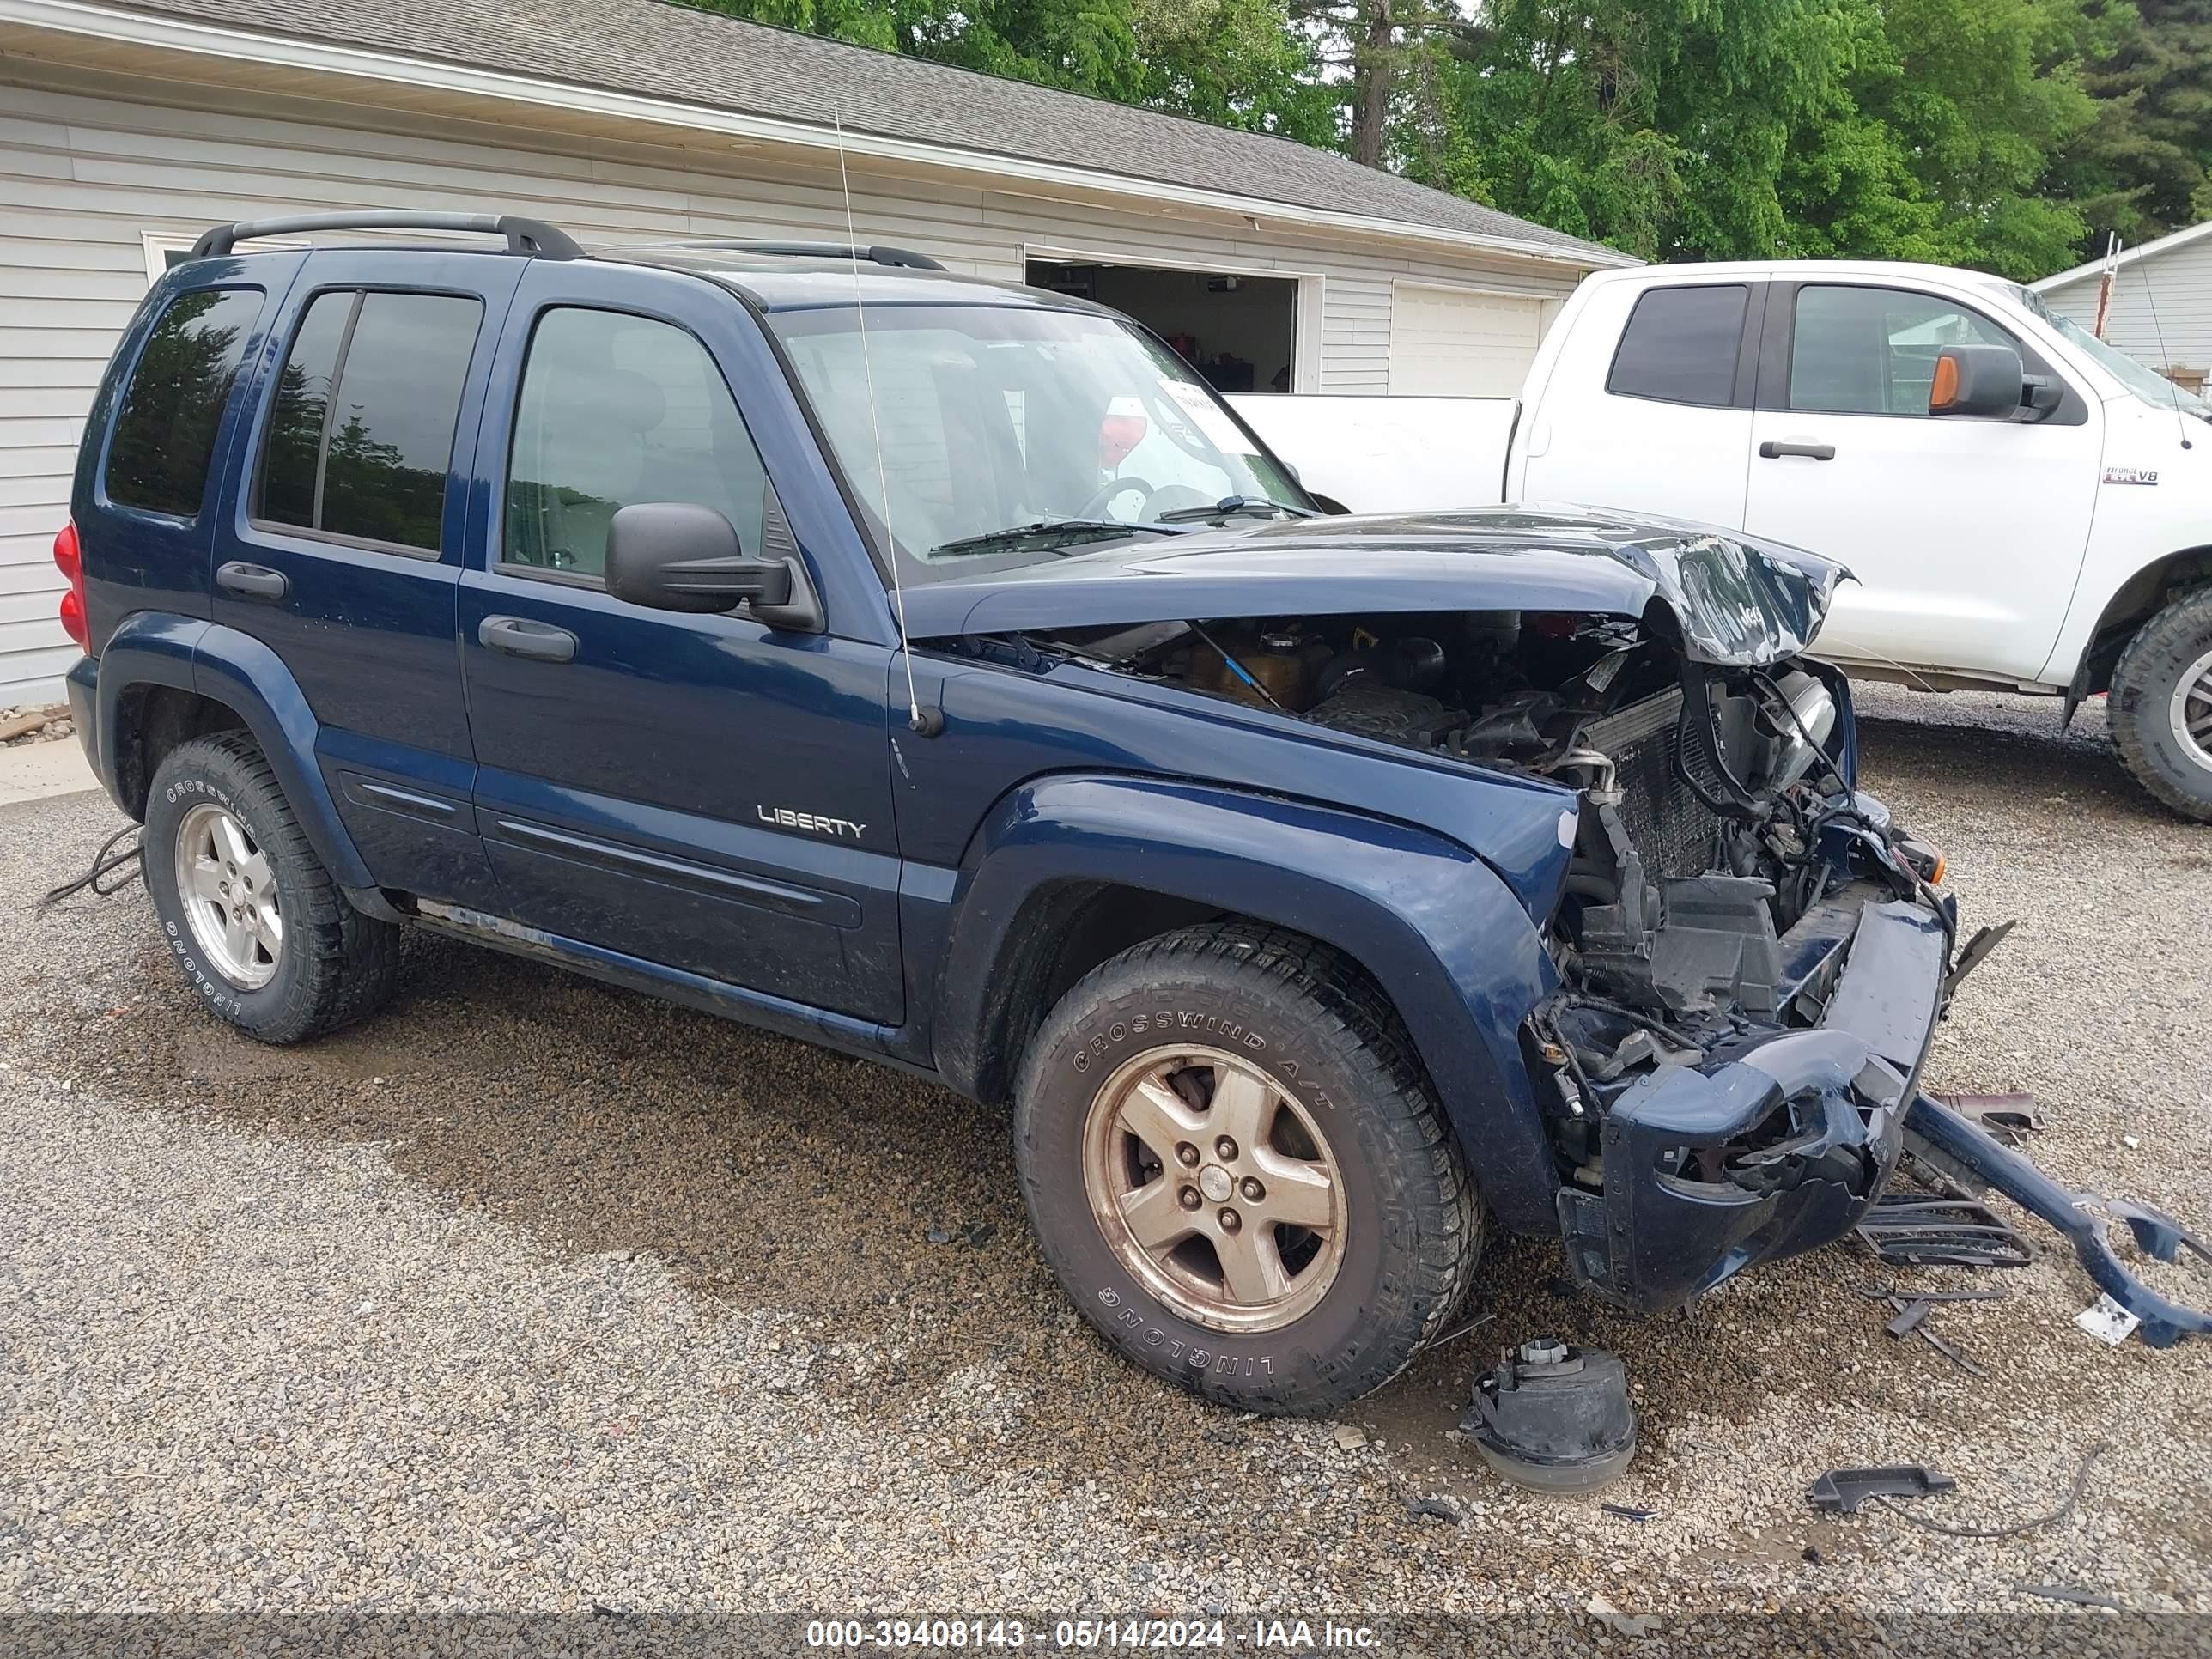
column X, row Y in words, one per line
column 1047, row 529
column 1231, row 506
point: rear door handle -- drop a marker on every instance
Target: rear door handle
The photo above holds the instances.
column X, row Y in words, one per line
column 518, row 637
column 252, row 581
column 1772, row 450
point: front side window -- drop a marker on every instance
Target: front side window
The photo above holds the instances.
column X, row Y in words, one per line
column 164, row 429
column 1681, row 345
column 616, row 409
column 979, row 419
column 1872, row 350
column 361, row 427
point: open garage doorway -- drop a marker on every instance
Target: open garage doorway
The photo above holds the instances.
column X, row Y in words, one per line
column 1238, row 331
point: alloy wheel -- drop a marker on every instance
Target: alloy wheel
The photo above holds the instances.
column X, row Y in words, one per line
column 1215, row 1188
column 229, row 895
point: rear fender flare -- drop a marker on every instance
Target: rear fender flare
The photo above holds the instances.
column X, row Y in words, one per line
column 241, row 672
column 1440, row 932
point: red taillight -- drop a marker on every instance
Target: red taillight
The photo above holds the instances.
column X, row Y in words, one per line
column 69, row 559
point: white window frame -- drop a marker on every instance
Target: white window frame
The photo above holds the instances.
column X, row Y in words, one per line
column 1305, row 309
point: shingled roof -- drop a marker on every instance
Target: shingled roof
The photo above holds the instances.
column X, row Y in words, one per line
column 675, row 54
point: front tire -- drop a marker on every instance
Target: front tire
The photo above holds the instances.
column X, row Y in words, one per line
column 2161, row 707
column 246, row 908
column 1237, row 1170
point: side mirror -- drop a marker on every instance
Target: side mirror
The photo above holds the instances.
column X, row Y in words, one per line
column 678, row 555
column 1976, row 379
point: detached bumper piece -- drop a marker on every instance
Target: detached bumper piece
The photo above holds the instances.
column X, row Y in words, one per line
column 1961, row 1147
column 1908, row 1229
column 1774, row 1146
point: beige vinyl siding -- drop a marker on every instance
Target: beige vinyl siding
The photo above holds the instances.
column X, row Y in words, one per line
column 92, row 162
column 1356, row 337
column 2161, row 306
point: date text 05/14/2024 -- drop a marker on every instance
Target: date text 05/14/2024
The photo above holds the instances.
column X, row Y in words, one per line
column 1079, row 1635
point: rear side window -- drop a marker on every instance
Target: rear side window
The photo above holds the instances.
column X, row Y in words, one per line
column 165, row 429
column 1681, row 345
column 360, row 429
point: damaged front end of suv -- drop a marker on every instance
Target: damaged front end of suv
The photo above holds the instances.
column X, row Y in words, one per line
column 1753, row 959
column 1747, row 956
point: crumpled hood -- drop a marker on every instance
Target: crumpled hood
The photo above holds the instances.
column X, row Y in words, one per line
column 1737, row 600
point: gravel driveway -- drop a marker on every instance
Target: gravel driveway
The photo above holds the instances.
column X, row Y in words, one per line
column 538, row 1295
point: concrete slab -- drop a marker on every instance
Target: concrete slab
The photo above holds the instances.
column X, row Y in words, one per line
column 32, row 771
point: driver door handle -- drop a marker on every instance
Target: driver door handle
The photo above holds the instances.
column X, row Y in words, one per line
column 1774, row 449
column 518, row 637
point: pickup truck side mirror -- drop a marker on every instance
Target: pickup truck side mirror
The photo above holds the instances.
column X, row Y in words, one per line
column 679, row 556
column 1982, row 381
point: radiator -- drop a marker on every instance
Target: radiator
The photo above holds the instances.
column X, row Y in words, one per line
column 1665, row 820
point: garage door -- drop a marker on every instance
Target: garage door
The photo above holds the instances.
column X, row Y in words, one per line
column 1448, row 344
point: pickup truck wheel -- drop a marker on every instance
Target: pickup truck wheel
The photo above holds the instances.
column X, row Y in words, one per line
column 2161, row 707
column 1233, row 1163
column 246, row 908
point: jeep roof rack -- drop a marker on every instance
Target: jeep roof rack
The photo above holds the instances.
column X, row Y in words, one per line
column 877, row 255
column 530, row 237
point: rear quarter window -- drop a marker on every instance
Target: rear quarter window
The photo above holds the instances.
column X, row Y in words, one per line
column 166, row 425
column 1681, row 345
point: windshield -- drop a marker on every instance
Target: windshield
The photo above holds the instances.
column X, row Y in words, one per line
column 998, row 419
column 2147, row 384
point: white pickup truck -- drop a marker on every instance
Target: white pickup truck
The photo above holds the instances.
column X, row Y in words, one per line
column 2024, row 507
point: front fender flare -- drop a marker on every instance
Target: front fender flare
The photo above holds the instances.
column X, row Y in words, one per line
column 244, row 675
column 1441, row 933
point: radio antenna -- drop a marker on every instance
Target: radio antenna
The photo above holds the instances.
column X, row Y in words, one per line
column 914, row 719
column 2180, row 421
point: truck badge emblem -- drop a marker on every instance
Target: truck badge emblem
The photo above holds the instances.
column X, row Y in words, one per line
column 815, row 823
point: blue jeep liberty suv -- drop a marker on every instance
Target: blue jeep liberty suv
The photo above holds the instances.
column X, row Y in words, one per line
column 937, row 670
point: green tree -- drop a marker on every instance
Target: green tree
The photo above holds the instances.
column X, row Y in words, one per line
column 1661, row 127
column 1744, row 128
column 2142, row 168
column 1235, row 63
column 1998, row 133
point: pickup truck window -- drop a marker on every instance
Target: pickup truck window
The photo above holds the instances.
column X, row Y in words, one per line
column 616, row 409
column 366, row 462
column 1872, row 350
column 1681, row 345
column 166, row 426
column 994, row 418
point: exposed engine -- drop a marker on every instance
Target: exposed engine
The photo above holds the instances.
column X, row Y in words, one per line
column 1715, row 817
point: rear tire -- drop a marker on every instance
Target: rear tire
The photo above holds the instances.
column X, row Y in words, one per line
column 2161, row 707
column 1185, row 1111
column 246, row 908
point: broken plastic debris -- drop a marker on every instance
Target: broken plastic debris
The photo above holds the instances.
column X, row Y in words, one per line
column 2010, row 1116
column 2107, row 1320
column 1840, row 1492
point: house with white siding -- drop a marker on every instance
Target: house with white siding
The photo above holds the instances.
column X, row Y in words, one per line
column 2162, row 307
column 128, row 126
